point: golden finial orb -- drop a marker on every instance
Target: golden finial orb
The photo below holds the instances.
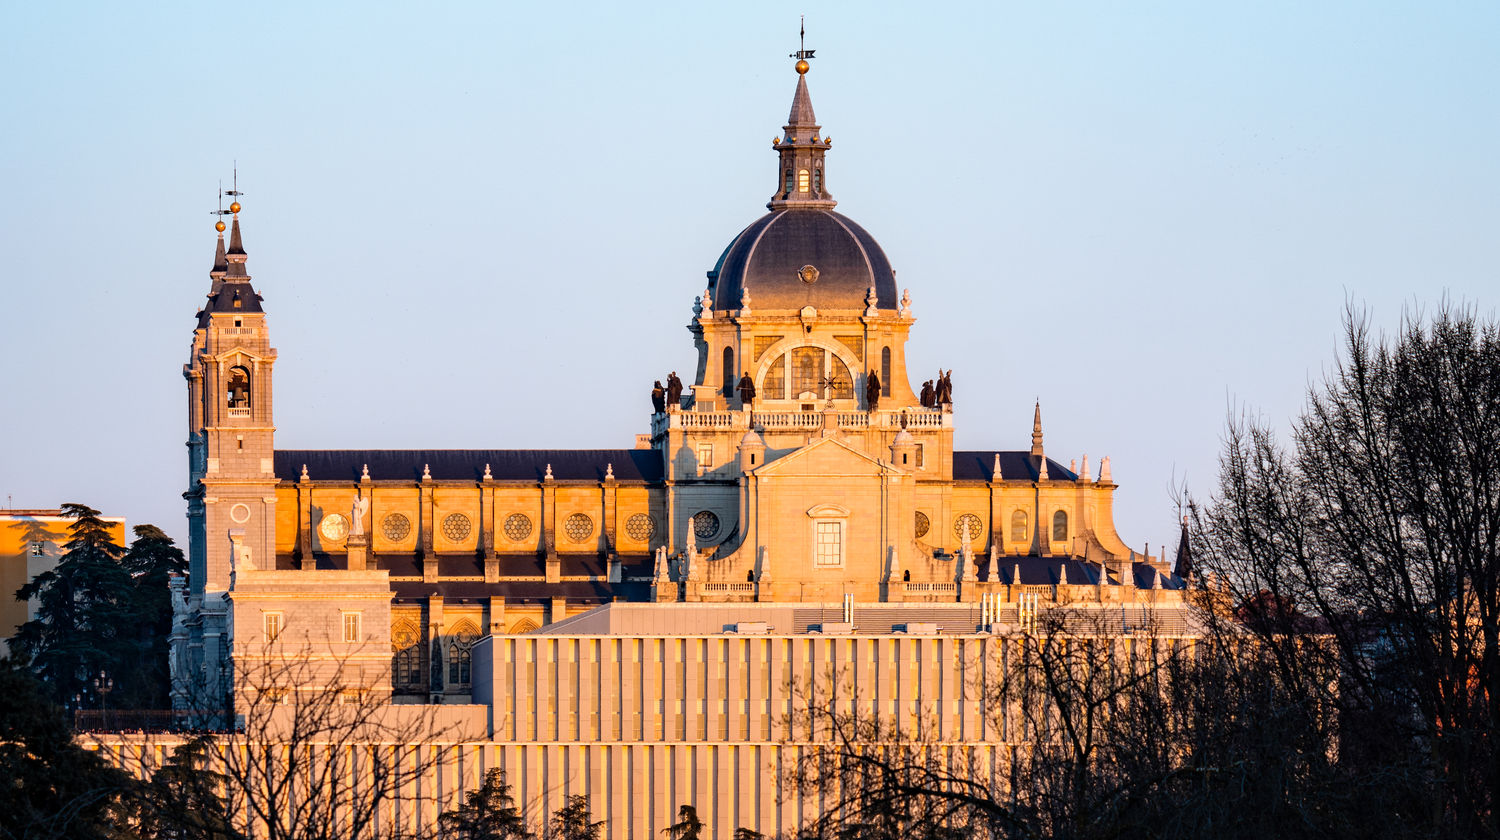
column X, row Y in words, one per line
column 235, row 207
column 802, row 66
column 219, row 226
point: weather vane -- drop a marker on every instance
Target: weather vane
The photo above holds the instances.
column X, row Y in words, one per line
column 235, row 206
column 221, row 212
column 804, row 53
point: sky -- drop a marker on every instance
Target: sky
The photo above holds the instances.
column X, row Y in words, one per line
column 483, row 225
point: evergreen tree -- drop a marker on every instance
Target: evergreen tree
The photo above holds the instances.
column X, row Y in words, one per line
column 184, row 800
column 488, row 813
column 84, row 618
column 152, row 559
column 687, row 827
column 571, row 821
column 49, row 786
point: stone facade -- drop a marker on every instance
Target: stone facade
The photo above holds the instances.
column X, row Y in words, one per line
column 602, row 606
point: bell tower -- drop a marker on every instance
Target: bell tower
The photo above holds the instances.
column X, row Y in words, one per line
column 231, row 491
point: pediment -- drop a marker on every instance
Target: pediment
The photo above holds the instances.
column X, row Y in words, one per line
column 826, row 457
column 827, row 511
column 236, row 353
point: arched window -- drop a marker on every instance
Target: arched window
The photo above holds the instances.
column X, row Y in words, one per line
column 818, row 180
column 1018, row 526
column 1060, row 526
column 843, row 383
column 773, row 386
column 406, row 653
column 807, row 370
column 802, row 180
column 788, row 181
column 885, row 371
column 730, row 380
column 239, row 387
column 460, row 659
column 525, row 625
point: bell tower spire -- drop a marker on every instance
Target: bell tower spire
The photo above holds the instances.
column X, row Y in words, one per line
column 802, row 182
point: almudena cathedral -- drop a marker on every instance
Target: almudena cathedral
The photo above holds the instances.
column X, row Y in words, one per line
column 632, row 623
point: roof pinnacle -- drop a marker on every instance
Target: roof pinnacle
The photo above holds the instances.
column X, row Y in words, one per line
column 801, row 181
column 221, row 264
column 1036, row 431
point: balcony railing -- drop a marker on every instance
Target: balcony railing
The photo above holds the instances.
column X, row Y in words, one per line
column 921, row 418
column 149, row 720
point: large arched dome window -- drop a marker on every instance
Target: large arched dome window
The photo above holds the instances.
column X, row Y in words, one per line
column 803, row 370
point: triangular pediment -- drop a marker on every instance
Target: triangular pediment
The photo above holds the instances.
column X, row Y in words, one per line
column 237, row 353
column 828, row 456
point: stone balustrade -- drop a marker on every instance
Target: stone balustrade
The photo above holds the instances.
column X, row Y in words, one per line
column 921, row 418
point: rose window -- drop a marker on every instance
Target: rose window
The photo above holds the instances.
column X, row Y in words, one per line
column 396, row 527
column 334, row 527
column 578, row 527
column 640, row 527
column 517, row 526
column 456, row 527
column 923, row 524
column 705, row 524
column 968, row 523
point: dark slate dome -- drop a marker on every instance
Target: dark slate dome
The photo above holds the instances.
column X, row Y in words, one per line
column 768, row 257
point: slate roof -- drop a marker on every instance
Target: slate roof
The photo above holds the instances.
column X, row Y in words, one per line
column 228, row 293
column 468, row 464
column 520, row 591
column 979, row 465
column 767, row 255
column 1046, row 571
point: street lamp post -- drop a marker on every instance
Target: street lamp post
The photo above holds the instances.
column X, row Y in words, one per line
column 103, row 685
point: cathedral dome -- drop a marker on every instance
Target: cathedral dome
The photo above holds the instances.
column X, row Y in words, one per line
column 791, row 258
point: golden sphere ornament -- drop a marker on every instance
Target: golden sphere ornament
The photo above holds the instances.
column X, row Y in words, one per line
column 235, row 207
column 219, row 226
column 802, row 66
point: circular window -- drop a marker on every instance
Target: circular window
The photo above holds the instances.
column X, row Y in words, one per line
column 705, row 524
column 923, row 524
column 968, row 523
column 333, row 527
column 456, row 527
column 240, row 513
column 517, row 526
column 396, row 527
column 640, row 527
column 578, row 527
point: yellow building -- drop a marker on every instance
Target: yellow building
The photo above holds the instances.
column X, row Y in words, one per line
column 798, row 464
column 31, row 541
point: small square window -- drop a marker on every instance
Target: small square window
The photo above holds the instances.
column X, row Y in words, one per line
column 351, row 627
column 38, row 549
column 273, row 625
column 705, row 455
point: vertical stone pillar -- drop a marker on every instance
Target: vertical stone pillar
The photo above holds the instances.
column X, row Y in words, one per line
column 358, row 546
column 497, row 615
column 487, row 516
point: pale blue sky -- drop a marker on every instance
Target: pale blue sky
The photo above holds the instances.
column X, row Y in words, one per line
column 484, row 225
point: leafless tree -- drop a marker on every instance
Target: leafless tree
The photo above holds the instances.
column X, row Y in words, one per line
column 1380, row 526
column 317, row 752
